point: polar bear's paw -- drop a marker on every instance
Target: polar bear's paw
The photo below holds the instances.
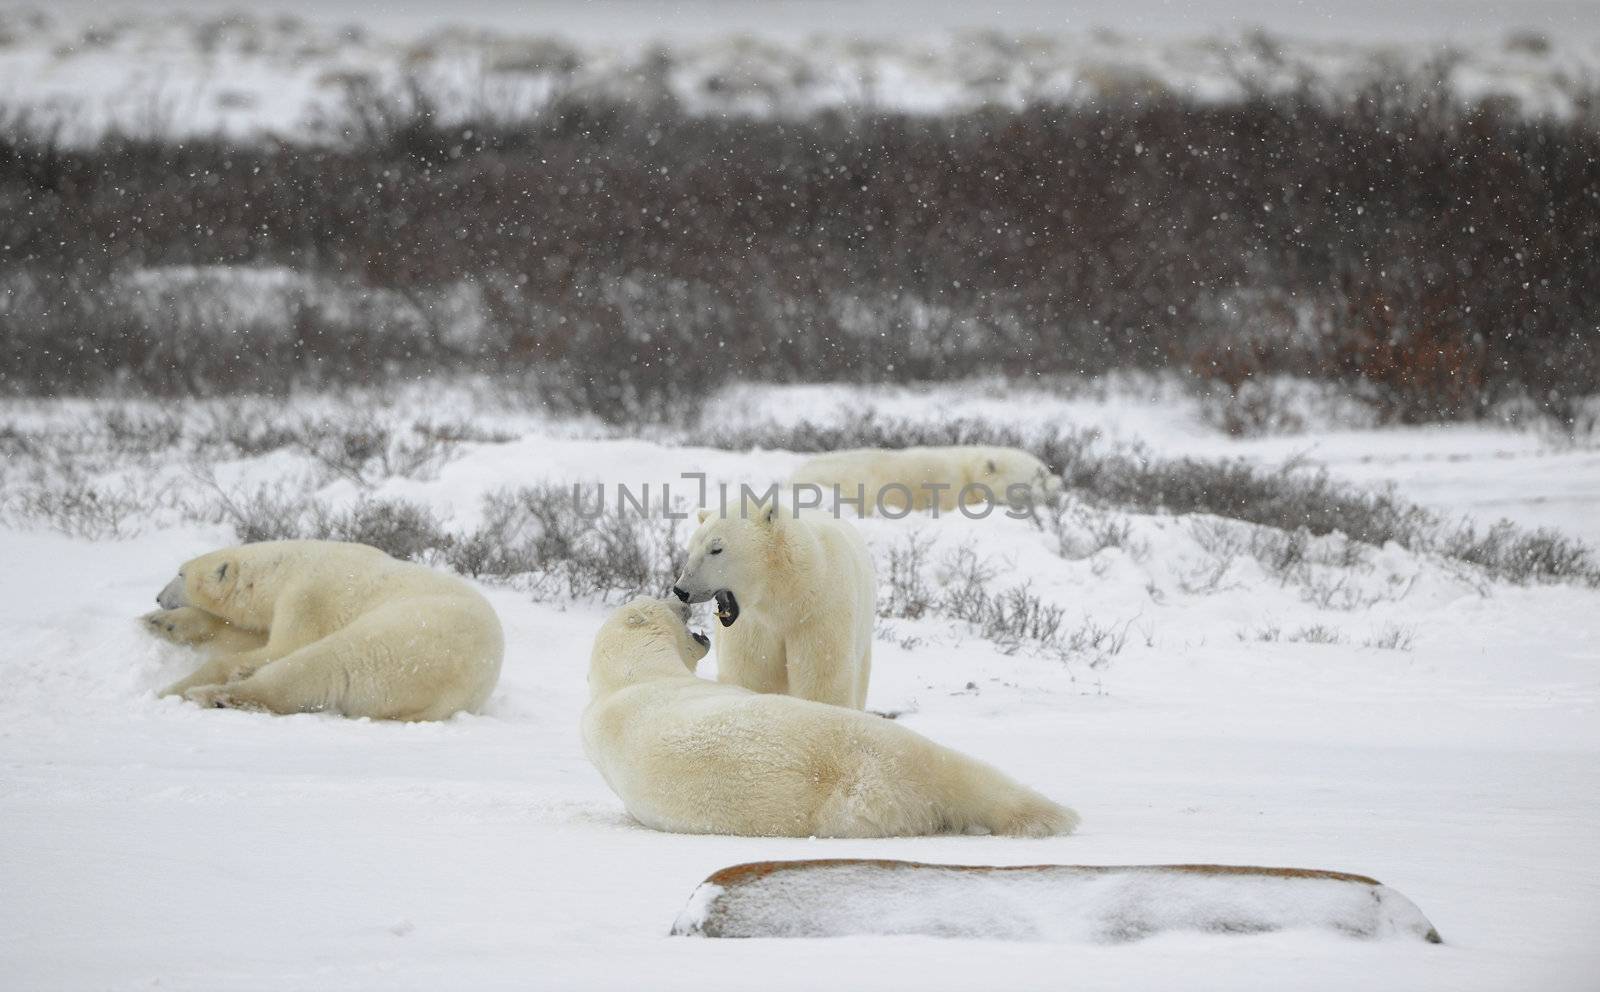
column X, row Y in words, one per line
column 220, row 697
column 184, row 625
column 1039, row 817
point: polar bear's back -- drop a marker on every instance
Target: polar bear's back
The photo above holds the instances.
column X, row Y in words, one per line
column 357, row 574
column 692, row 756
column 933, row 475
column 895, row 477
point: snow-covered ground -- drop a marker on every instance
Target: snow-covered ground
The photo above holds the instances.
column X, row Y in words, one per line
column 1400, row 717
column 284, row 72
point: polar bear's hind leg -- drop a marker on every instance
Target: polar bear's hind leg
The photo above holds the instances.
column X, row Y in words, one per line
column 972, row 797
column 220, row 669
column 359, row 671
column 1036, row 816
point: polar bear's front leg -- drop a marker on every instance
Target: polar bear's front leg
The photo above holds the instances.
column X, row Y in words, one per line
column 751, row 654
column 184, row 625
column 825, row 670
column 192, row 626
column 289, row 634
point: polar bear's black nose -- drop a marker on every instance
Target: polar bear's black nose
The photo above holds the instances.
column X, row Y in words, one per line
column 678, row 592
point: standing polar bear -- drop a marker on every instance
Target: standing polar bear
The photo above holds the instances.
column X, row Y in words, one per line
column 693, row 756
column 897, row 481
column 304, row 626
column 796, row 597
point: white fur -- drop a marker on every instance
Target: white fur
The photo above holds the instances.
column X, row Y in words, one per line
column 301, row 626
column 693, row 756
column 807, row 597
column 943, row 477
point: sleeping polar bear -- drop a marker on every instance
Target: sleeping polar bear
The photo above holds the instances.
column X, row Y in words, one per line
column 897, row 481
column 693, row 756
column 302, row 626
column 796, row 597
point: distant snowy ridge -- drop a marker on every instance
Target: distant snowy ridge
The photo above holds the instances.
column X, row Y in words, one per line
column 256, row 76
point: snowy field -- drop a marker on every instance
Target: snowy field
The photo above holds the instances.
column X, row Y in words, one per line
column 284, row 70
column 1377, row 711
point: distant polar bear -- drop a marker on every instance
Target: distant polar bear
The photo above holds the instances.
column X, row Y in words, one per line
column 693, row 756
column 897, row 481
column 796, row 597
column 305, row 626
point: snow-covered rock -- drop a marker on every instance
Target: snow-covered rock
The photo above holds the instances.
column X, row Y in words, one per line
column 1070, row 903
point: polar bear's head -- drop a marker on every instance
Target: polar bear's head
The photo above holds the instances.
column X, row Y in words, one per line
column 730, row 558
column 1010, row 473
column 646, row 637
column 206, row 582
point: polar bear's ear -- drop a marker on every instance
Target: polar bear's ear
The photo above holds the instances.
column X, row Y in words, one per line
column 770, row 514
column 704, row 514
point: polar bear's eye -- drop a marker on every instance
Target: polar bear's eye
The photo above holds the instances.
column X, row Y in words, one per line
column 716, row 551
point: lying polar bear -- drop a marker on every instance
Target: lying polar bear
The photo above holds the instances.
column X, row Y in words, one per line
column 693, row 756
column 796, row 597
column 897, row 481
column 302, row 626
